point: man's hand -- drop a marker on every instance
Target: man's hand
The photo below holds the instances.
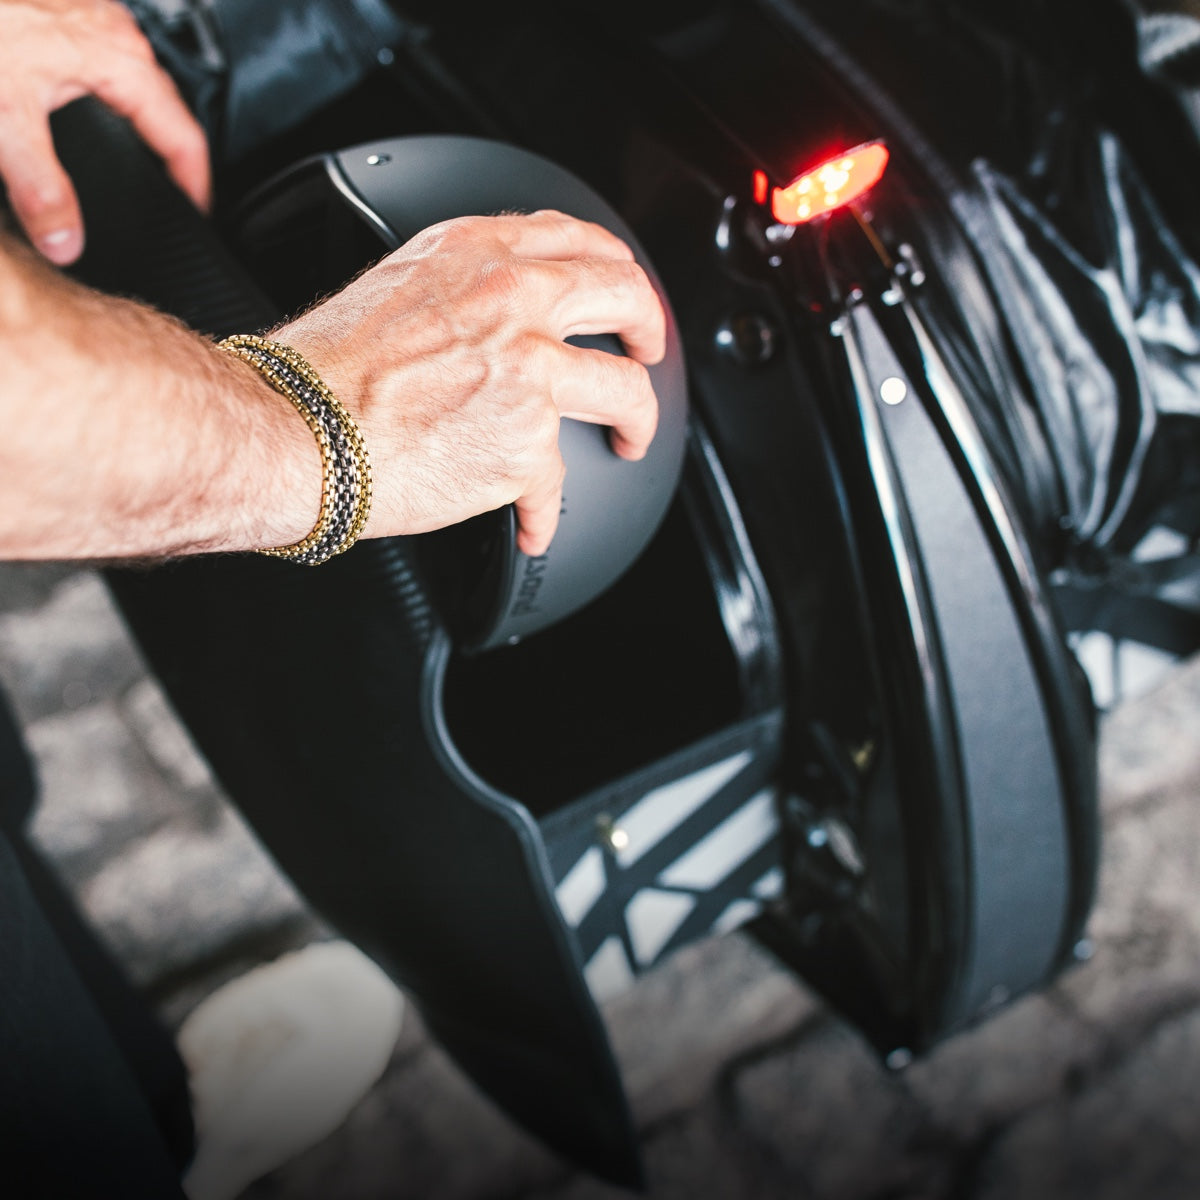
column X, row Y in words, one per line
column 54, row 51
column 450, row 355
column 126, row 434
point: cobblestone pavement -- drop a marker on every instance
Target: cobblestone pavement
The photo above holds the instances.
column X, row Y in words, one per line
column 744, row 1085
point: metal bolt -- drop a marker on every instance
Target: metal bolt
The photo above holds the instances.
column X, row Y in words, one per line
column 863, row 755
column 893, row 390
column 377, row 160
column 610, row 832
column 1084, row 950
column 750, row 339
column 899, row 1058
column 386, row 56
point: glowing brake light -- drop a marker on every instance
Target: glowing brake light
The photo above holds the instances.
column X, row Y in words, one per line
column 831, row 185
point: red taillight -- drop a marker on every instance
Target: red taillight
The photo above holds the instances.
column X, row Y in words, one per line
column 829, row 186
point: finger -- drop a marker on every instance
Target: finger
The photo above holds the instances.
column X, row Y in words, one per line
column 598, row 295
column 144, row 93
column 607, row 389
column 39, row 190
column 553, row 235
column 538, row 510
column 117, row 25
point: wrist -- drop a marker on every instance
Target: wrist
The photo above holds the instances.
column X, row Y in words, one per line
column 346, row 469
column 276, row 467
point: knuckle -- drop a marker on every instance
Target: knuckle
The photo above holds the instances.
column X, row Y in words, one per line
column 625, row 280
column 538, row 441
column 451, row 234
column 118, row 23
column 641, row 404
column 458, row 234
column 544, row 422
column 444, row 237
column 119, row 19
column 504, row 282
column 184, row 138
column 532, row 357
column 43, row 200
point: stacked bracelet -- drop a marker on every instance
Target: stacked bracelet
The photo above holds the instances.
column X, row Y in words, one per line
column 345, row 468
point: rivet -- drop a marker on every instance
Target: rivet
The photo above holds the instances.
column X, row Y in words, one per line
column 893, row 390
column 616, row 837
column 750, row 339
column 377, row 160
column 863, row 755
column 899, row 1058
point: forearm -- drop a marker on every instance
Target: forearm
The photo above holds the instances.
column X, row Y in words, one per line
column 124, row 434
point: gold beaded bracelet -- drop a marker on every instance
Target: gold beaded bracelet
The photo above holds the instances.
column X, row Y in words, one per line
column 345, row 467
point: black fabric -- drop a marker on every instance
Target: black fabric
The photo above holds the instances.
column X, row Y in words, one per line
column 73, row 1120
column 16, row 773
column 57, row 985
column 251, row 69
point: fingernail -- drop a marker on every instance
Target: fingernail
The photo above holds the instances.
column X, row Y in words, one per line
column 62, row 246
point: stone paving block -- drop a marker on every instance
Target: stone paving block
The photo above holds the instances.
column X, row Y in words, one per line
column 1146, row 923
column 1016, row 1059
column 181, row 896
column 1152, row 744
column 28, row 585
column 435, row 1137
column 1129, row 1134
column 424, row 1132
column 70, row 652
column 709, row 1003
column 838, row 1121
column 98, row 790
column 155, row 725
column 700, row 1157
column 175, row 1001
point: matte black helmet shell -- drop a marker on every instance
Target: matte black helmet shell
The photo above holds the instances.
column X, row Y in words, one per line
column 611, row 507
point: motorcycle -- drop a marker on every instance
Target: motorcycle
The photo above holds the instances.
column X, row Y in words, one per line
column 928, row 425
